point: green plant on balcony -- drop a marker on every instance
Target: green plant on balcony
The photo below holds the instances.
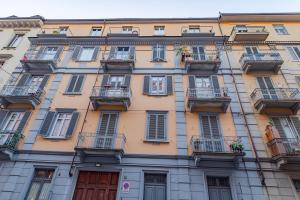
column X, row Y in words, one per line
column 12, row 141
column 236, row 146
column 184, row 52
column 55, row 32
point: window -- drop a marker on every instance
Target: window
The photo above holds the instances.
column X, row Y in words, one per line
column 218, row 188
column 194, row 29
column 75, row 84
column 198, row 53
column 16, row 40
column 158, row 85
column 294, row 52
column 297, row 186
column 40, row 184
column 155, row 186
column 122, row 53
column 60, row 125
column 107, row 130
column 267, row 88
column 34, row 83
column 280, row 29
column 13, row 121
column 86, row 54
column 63, row 30
column 241, row 28
column 49, row 53
column 157, row 126
column 286, row 126
column 159, row 30
column 158, row 53
column 127, row 29
column 96, row 31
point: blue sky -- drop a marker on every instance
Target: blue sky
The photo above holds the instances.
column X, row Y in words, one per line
column 141, row 8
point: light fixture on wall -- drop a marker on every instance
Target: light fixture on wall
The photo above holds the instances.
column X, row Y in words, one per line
column 98, row 164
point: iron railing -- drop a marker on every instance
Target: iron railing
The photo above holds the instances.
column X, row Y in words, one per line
column 260, row 57
column 98, row 140
column 207, row 56
column 284, row 146
column 216, row 144
column 55, row 31
column 13, row 90
column 119, row 56
column 35, row 56
column 124, row 30
column 197, row 29
column 9, row 139
column 109, row 92
column 275, row 94
column 249, row 29
column 207, row 92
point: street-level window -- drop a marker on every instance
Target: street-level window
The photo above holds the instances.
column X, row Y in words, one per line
column 60, row 125
column 40, row 184
column 218, row 188
column 158, row 85
column 159, row 30
column 13, row 121
column 16, row 40
column 86, row 54
column 96, row 31
column 155, row 186
column 280, row 29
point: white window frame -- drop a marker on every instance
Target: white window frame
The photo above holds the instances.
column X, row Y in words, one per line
column 159, row 30
column 121, row 53
column 15, row 42
column 64, row 116
column 127, row 29
column 158, row 52
column 63, row 29
column 280, row 29
column 163, row 91
column 49, row 53
column 16, row 121
column 80, row 58
column 96, row 31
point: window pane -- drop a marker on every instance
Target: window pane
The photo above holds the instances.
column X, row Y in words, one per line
column 32, row 194
column 86, row 54
column 16, row 40
column 44, row 191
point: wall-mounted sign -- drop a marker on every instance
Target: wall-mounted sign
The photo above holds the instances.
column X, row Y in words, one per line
column 125, row 186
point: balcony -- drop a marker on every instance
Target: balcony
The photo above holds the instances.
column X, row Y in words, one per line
column 43, row 63
column 28, row 95
column 208, row 62
column 94, row 147
column 123, row 32
column 249, row 33
column 198, row 31
column 278, row 100
column 122, row 62
column 217, row 151
column 262, row 62
column 208, row 99
column 54, row 33
column 8, row 143
column 107, row 98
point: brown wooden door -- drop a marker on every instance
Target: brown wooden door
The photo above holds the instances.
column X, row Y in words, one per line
column 96, row 186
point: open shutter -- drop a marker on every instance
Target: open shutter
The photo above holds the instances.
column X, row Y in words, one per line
column 161, row 127
column 162, row 53
column 103, row 124
column 214, row 125
column 76, row 52
column 47, row 124
column 105, row 80
column 23, row 80
column 152, row 121
column 270, row 87
column 146, row 87
column 44, row 81
column 278, row 126
column 205, row 126
column 23, row 122
column 3, row 114
column 79, row 83
column 263, row 87
column 154, row 53
column 127, row 81
column 72, row 83
column 131, row 53
column 169, row 85
column 72, row 124
column 216, row 86
column 95, row 53
column 58, row 52
column 296, row 123
column 40, row 52
column 112, row 52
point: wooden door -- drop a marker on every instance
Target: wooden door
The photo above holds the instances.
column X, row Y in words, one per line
column 96, row 186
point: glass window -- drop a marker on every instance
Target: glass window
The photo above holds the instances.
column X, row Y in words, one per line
column 60, row 125
column 158, row 53
column 194, row 29
column 280, row 29
column 49, row 53
column 122, row 53
column 63, row 30
column 294, row 52
column 241, row 28
column 75, row 84
column 96, row 31
column 218, row 188
column 127, row 29
column 159, row 30
column 40, row 184
column 158, row 85
column 297, row 186
column 16, row 40
column 13, row 121
column 86, row 54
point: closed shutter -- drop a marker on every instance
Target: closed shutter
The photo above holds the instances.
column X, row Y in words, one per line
column 296, row 123
column 152, row 121
column 161, row 127
column 154, row 53
column 95, row 54
column 162, row 53
column 58, row 52
column 211, row 133
column 195, row 53
column 146, row 87
column 205, row 126
column 23, row 122
column 112, row 53
column 47, row 124
column 40, row 52
column 3, row 114
column 79, row 83
column 44, row 81
column 23, row 80
column 216, row 87
column 278, row 126
column 106, row 131
column 74, row 118
column 76, row 52
column 156, row 126
column 131, row 53
column 169, row 85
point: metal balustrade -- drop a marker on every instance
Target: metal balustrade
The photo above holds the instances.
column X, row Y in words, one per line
column 284, row 146
column 54, row 32
column 110, row 92
column 9, row 139
column 249, row 29
column 124, row 31
column 276, row 94
column 13, row 90
column 197, row 30
column 260, row 57
column 207, row 92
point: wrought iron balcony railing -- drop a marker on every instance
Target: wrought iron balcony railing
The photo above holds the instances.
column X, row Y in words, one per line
column 45, row 56
column 110, row 92
column 276, row 94
column 119, row 56
column 284, row 146
column 260, row 57
column 249, row 29
column 54, row 32
column 197, row 30
column 99, row 141
column 207, row 92
column 9, row 139
column 13, row 90
column 210, row 56
column 124, row 31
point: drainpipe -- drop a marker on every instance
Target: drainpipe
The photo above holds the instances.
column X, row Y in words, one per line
column 257, row 159
column 88, row 107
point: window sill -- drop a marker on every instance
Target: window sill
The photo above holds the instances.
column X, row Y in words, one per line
column 55, row 138
column 158, row 61
column 8, row 48
column 156, row 141
column 158, row 95
column 72, row 93
column 84, row 61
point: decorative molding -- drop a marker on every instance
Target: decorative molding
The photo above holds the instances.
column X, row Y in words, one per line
column 20, row 23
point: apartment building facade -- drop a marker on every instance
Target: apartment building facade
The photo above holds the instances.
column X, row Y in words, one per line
column 155, row 109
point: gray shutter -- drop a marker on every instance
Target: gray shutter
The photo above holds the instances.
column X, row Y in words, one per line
column 47, row 124
column 23, row 122
column 105, row 80
column 152, row 121
column 169, row 85
column 161, row 127
column 205, row 126
column 292, row 54
column 76, row 52
column 72, row 83
column 72, row 124
column 263, row 87
column 103, row 124
column 95, row 54
column 278, row 126
column 131, row 53
column 297, row 51
column 112, row 52
column 3, row 114
column 40, row 52
column 58, row 52
column 163, row 52
column 216, row 86
column 79, row 83
column 270, row 87
column 214, row 125
column 296, row 123
column 44, row 81
column 192, row 82
column 23, row 79
column 154, row 53
column 146, row 87
column 127, row 81
column 111, row 129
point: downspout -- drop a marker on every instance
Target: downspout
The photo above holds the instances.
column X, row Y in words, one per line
column 257, row 159
column 88, row 107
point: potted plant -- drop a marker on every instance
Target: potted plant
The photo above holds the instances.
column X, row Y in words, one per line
column 237, row 146
column 184, row 52
column 55, row 32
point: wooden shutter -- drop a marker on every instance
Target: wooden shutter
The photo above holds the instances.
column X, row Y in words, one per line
column 40, row 52
column 108, row 123
column 154, row 53
column 152, row 121
column 79, row 83
column 169, row 85
column 210, row 126
column 95, row 54
column 206, row 132
column 23, row 122
column 76, row 52
column 157, row 126
column 162, row 53
column 71, row 86
column 146, row 87
column 131, row 53
column 47, row 124
column 58, row 52
column 111, row 129
column 216, row 87
column 296, row 123
column 297, row 51
column 44, row 81
column 112, row 52
column 3, row 114
column 192, row 82
column 161, row 127
column 74, row 118
column 23, row 80
column 278, row 126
